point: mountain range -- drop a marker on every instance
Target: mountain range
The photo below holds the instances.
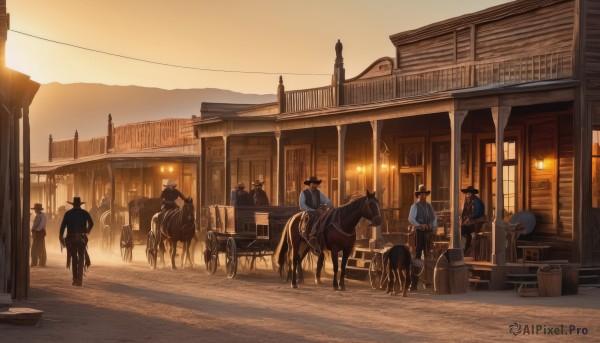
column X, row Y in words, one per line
column 60, row 109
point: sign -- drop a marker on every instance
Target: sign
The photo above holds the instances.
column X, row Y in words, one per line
column 540, row 184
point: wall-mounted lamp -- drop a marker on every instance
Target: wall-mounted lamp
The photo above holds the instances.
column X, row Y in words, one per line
column 539, row 163
column 360, row 168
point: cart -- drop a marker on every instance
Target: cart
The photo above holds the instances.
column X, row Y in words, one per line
column 244, row 234
column 138, row 231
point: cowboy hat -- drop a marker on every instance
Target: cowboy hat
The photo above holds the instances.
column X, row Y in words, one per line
column 470, row 189
column 171, row 183
column 241, row 185
column 313, row 179
column 37, row 206
column 76, row 201
column 257, row 183
column 422, row 189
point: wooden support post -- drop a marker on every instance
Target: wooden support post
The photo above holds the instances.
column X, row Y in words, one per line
column 341, row 173
column 456, row 120
column 500, row 116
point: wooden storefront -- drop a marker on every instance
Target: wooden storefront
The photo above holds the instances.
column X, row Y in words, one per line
column 520, row 76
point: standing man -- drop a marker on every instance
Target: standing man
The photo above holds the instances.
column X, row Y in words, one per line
column 78, row 223
column 422, row 217
column 314, row 204
column 239, row 196
column 38, row 231
column 472, row 217
column 258, row 195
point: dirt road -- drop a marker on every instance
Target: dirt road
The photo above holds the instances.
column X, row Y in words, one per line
column 128, row 302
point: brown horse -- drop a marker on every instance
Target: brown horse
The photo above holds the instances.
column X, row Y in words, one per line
column 339, row 235
column 178, row 225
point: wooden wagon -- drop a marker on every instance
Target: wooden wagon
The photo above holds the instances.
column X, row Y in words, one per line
column 243, row 232
column 138, row 231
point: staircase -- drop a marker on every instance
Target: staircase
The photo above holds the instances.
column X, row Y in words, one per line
column 589, row 276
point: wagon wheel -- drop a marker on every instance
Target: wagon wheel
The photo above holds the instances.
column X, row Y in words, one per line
column 376, row 272
column 126, row 243
column 151, row 253
column 231, row 258
column 211, row 253
column 106, row 239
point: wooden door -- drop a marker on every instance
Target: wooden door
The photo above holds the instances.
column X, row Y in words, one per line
column 297, row 169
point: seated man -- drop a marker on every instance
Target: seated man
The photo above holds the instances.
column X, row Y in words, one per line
column 239, row 196
column 472, row 217
column 422, row 217
column 311, row 201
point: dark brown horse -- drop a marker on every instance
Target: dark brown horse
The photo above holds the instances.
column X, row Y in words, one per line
column 178, row 225
column 397, row 264
column 339, row 235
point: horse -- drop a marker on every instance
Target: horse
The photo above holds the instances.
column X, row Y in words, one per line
column 397, row 262
column 339, row 235
column 179, row 225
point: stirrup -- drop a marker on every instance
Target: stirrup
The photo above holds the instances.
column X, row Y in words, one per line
column 314, row 245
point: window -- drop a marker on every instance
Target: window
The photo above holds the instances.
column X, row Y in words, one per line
column 509, row 172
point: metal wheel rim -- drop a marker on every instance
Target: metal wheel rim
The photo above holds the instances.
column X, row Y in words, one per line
column 231, row 258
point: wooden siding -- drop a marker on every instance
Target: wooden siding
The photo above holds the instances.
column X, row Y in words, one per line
column 62, row 149
column 546, row 29
column 542, row 182
column 565, row 176
column 463, row 46
column 424, row 54
column 162, row 133
column 91, row 147
column 308, row 99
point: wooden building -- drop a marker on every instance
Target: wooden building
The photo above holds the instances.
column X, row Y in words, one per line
column 16, row 94
column 132, row 161
column 522, row 76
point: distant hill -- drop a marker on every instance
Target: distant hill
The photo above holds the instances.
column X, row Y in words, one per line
column 60, row 109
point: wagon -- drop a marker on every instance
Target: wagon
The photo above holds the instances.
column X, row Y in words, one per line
column 243, row 234
column 138, row 231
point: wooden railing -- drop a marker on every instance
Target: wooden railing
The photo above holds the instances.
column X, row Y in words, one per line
column 156, row 134
column 162, row 133
column 542, row 67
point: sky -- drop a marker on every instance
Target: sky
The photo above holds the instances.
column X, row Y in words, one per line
column 239, row 45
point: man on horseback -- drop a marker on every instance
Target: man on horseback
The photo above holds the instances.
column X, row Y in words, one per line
column 169, row 195
column 314, row 204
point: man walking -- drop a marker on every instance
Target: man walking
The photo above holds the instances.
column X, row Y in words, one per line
column 38, row 232
column 78, row 223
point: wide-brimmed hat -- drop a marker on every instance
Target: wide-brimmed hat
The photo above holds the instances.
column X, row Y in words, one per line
column 171, row 183
column 422, row 189
column 76, row 201
column 470, row 189
column 241, row 185
column 312, row 179
column 37, row 206
column 257, row 183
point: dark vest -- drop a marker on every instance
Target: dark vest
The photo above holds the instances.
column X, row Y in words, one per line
column 308, row 197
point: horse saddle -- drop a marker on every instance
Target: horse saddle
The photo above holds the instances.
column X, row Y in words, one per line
column 164, row 218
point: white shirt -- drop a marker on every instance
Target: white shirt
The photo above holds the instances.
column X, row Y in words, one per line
column 39, row 223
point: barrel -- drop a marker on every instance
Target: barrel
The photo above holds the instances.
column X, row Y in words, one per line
column 458, row 278
column 440, row 276
column 549, row 279
column 570, row 278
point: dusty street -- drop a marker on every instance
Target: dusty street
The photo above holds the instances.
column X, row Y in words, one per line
column 128, row 302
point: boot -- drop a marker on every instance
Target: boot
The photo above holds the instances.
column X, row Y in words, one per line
column 313, row 243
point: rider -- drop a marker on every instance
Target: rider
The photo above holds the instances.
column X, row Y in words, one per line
column 314, row 203
column 169, row 195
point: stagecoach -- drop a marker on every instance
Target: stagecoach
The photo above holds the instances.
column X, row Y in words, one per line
column 138, row 231
column 243, row 234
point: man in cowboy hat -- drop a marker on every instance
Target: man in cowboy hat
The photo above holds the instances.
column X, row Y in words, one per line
column 38, row 231
column 313, row 203
column 472, row 217
column 239, row 196
column 258, row 195
column 422, row 217
column 78, row 223
column 169, row 194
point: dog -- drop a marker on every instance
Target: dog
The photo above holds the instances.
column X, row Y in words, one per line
column 397, row 262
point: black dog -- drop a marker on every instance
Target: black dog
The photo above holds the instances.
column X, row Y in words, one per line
column 397, row 266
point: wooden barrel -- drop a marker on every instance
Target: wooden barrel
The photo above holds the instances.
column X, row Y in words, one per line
column 440, row 276
column 549, row 281
column 570, row 279
column 458, row 278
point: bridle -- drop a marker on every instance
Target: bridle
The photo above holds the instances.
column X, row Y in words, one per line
column 373, row 218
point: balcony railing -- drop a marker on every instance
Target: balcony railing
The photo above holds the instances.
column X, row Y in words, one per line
column 542, row 67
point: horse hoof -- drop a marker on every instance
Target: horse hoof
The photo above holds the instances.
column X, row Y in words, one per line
column 318, row 282
column 294, row 286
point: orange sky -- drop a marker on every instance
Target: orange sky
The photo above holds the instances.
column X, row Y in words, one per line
column 270, row 36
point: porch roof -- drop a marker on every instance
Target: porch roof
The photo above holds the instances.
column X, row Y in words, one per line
column 149, row 155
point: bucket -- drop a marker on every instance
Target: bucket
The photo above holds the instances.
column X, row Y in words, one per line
column 570, row 279
column 549, row 279
column 440, row 276
column 458, row 279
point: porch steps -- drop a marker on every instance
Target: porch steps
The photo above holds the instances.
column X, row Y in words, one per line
column 479, row 275
column 589, row 276
column 524, row 279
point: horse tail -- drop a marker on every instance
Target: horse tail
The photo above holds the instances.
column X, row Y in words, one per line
column 282, row 247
